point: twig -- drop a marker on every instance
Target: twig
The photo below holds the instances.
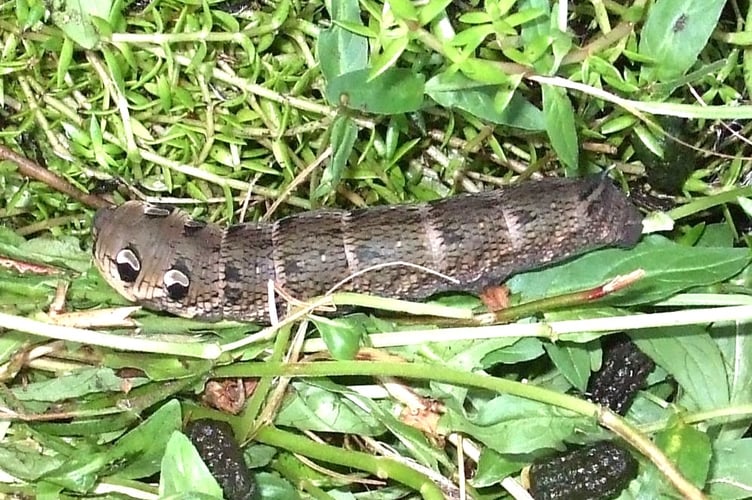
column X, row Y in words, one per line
column 31, row 169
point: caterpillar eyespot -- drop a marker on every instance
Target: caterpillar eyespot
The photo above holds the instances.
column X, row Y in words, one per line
column 176, row 283
column 128, row 265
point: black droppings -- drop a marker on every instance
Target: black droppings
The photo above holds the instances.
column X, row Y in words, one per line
column 219, row 450
column 623, row 373
column 599, row 471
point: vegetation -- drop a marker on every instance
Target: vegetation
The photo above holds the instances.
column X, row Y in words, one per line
column 248, row 112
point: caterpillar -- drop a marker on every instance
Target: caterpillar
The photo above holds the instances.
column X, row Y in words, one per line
column 161, row 258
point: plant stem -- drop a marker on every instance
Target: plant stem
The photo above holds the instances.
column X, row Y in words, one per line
column 381, row 467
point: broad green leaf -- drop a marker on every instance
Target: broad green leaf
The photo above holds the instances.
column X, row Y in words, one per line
column 688, row 448
column 30, row 12
column 524, row 349
column 730, row 473
column 342, row 336
column 494, row 467
column 79, row 473
column 485, row 72
column 147, row 442
column 26, row 461
column 540, row 26
column 394, row 91
column 183, row 470
column 468, row 355
column 561, row 126
column 74, row 18
column 274, row 486
column 458, row 91
column 735, row 343
column 716, row 235
column 691, row 356
column 510, row 424
column 414, row 440
column 674, row 34
column 669, row 267
column 340, row 50
column 572, row 360
column 311, row 407
column 74, row 385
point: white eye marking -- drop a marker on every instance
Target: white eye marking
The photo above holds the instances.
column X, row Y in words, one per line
column 128, row 265
column 323, row 257
column 176, row 283
column 155, row 211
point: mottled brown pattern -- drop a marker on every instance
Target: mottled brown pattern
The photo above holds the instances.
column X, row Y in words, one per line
column 476, row 239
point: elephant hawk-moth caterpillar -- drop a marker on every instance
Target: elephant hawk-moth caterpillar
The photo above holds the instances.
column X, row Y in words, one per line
column 162, row 259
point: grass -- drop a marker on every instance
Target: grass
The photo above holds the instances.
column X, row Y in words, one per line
column 293, row 105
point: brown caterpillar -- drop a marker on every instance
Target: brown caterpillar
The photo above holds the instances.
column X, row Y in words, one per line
column 162, row 259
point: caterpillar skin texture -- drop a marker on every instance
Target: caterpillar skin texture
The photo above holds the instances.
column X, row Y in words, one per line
column 160, row 258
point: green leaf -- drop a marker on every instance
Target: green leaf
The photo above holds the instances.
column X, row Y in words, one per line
column 116, row 72
column 572, row 360
column 675, row 33
column 494, row 467
column 716, row 235
column 147, row 442
column 274, row 486
column 64, row 61
column 343, row 136
column 79, row 473
column 27, row 461
column 691, row 356
column 458, row 91
column 311, row 406
column 388, row 57
column 64, row 252
column 669, row 268
column 73, row 386
column 340, row 50
column 688, row 448
column 730, row 473
column 394, row 91
column 509, row 424
column 404, row 9
column 342, row 336
column 560, row 126
column 735, row 343
column 429, row 11
column 74, row 19
column 183, row 470
column 540, row 26
column 524, row 349
column 158, row 368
